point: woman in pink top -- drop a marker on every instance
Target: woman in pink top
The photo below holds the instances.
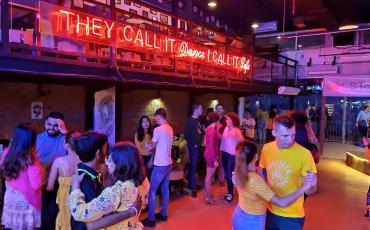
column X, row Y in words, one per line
column 230, row 139
column 211, row 154
column 23, row 175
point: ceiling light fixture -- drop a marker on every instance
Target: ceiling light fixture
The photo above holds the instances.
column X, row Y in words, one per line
column 348, row 25
column 278, row 37
column 212, row 3
column 255, row 25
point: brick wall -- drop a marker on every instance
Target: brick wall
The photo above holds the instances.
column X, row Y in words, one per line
column 136, row 103
column 212, row 99
column 16, row 99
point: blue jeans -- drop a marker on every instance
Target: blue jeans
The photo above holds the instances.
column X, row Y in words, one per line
column 160, row 178
column 228, row 162
column 193, row 158
column 275, row 222
column 242, row 220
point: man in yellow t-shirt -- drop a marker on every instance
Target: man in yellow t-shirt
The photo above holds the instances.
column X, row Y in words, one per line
column 286, row 163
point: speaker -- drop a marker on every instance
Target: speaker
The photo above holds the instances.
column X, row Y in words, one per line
column 344, row 39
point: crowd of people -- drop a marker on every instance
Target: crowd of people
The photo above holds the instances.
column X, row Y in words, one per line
column 66, row 179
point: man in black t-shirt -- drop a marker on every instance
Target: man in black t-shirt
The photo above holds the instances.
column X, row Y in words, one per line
column 193, row 137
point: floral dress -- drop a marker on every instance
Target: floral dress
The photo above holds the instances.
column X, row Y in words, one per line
column 116, row 198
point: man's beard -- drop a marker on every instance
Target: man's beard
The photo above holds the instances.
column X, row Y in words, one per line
column 55, row 134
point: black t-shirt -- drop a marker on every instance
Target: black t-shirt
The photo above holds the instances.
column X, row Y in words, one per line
column 192, row 133
column 91, row 187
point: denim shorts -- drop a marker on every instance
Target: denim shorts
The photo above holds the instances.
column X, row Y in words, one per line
column 242, row 220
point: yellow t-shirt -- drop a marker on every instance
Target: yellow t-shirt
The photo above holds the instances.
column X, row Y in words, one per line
column 285, row 169
column 252, row 198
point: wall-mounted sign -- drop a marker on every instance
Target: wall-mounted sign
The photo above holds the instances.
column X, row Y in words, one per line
column 346, row 86
column 104, row 113
column 37, row 110
column 80, row 26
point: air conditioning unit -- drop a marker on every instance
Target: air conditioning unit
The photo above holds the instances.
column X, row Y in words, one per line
column 286, row 90
column 322, row 69
column 266, row 27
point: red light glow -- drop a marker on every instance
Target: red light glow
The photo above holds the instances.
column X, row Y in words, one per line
column 85, row 27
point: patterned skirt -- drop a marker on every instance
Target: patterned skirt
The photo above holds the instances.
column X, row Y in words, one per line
column 18, row 213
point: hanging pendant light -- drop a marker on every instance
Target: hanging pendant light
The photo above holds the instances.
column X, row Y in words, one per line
column 348, row 25
column 212, row 3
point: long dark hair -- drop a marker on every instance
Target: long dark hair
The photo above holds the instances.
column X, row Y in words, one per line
column 22, row 151
column 246, row 151
column 71, row 139
column 129, row 163
column 141, row 131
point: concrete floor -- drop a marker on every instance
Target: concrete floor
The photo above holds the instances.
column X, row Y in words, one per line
column 338, row 204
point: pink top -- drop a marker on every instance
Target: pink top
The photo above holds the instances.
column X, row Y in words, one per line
column 29, row 183
column 230, row 139
column 212, row 139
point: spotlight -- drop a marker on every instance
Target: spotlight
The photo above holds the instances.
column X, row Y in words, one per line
column 212, row 3
column 255, row 25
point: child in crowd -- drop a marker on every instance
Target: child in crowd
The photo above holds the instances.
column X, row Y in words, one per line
column 127, row 168
column 23, row 175
column 91, row 148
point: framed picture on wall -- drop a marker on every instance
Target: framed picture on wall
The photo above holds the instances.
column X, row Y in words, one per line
column 37, row 110
column 164, row 18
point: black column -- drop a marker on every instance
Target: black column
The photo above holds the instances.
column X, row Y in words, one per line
column 5, row 24
column 118, row 113
column 89, row 107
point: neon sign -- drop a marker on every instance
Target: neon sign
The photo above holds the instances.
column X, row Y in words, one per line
column 80, row 26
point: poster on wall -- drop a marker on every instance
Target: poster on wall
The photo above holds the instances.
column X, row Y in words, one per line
column 36, row 110
column 104, row 113
column 346, row 86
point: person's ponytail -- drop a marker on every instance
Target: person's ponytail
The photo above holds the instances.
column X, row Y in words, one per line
column 246, row 151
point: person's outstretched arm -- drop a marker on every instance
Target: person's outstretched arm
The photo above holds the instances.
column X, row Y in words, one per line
column 115, row 218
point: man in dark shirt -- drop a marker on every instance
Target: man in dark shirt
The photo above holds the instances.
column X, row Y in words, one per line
column 193, row 137
column 91, row 148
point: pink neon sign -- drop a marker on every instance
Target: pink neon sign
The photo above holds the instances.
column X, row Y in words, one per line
column 80, row 26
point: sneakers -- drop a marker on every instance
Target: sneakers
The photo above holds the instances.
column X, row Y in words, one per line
column 159, row 216
column 228, row 198
column 148, row 223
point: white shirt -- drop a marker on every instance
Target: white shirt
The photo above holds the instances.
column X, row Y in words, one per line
column 230, row 139
column 249, row 132
column 163, row 136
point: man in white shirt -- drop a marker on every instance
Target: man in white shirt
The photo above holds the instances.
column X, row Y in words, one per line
column 248, row 124
column 162, row 140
